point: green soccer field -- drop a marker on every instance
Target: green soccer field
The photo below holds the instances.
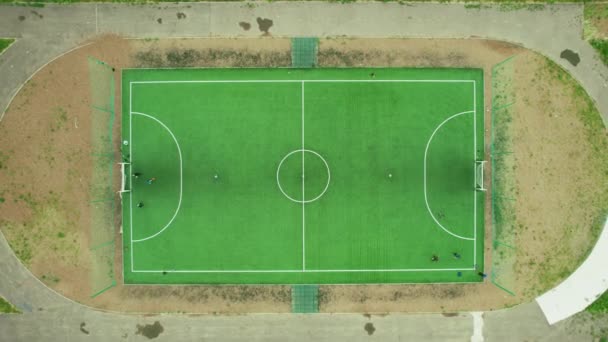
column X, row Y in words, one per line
column 302, row 176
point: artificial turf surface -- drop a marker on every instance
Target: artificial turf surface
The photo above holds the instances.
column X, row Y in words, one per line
column 214, row 140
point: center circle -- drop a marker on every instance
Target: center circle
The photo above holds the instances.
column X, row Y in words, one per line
column 303, row 172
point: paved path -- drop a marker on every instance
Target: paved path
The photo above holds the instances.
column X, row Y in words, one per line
column 45, row 33
column 582, row 287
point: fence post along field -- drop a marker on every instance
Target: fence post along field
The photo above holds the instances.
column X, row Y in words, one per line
column 503, row 194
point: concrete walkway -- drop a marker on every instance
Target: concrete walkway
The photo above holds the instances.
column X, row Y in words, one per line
column 582, row 287
column 45, row 33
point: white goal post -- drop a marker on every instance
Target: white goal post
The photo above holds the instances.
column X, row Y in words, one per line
column 123, row 179
column 479, row 167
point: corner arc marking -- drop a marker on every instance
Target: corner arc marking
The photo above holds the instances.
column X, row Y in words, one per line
column 181, row 179
column 426, row 201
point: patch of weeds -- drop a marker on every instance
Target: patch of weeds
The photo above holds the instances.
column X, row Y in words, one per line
column 6, row 307
column 61, row 235
column 476, row 5
column 28, row 199
column 181, row 58
column 333, row 56
column 3, row 160
column 596, row 11
column 28, row 4
column 4, row 43
column 150, row 58
column 50, row 278
column 20, row 245
column 517, row 6
column 60, row 117
column 601, row 46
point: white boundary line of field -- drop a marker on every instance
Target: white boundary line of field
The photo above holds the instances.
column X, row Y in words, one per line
column 309, row 270
column 303, row 188
column 302, row 82
column 181, row 178
column 305, row 81
column 130, row 169
column 475, row 175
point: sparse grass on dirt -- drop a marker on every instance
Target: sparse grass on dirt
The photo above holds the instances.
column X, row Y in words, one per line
column 45, row 229
column 560, row 146
column 596, row 20
column 4, row 43
column 6, row 307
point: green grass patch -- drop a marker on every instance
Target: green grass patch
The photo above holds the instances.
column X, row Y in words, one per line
column 600, row 305
column 6, row 307
column 596, row 10
column 4, row 43
column 601, row 46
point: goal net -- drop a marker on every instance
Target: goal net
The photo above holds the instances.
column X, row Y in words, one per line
column 479, row 183
column 123, row 179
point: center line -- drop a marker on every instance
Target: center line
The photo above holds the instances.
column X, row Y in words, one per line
column 303, row 194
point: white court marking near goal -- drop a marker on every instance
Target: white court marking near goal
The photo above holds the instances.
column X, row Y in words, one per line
column 304, row 270
column 181, row 181
column 426, row 201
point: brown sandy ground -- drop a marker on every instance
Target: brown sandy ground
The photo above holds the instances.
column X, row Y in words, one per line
column 45, row 166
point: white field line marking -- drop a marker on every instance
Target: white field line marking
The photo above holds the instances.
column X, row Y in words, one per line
column 131, row 168
column 303, row 190
column 181, row 179
column 475, row 174
column 279, row 172
column 309, row 271
column 426, row 150
column 306, row 81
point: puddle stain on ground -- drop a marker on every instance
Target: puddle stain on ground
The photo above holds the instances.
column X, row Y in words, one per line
column 570, row 56
column 245, row 25
column 369, row 328
column 82, row 329
column 264, row 25
column 149, row 330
